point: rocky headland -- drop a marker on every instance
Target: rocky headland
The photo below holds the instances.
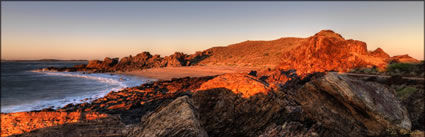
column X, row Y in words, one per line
column 296, row 93
column 324, row 51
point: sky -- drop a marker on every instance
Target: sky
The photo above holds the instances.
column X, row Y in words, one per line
column 94, row 30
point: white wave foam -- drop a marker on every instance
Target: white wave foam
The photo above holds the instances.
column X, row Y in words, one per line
column 115, row 83
column 101, row 78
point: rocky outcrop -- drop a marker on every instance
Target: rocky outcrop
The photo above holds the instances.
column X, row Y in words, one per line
column 105, row 127
column 380, row 53
column 336, row 101
column 106, row 63
column 224, row 113
column 176, row 60
column 298, row 129
column 141, row 61
column 243, row 84
column 177, row 119
column 319, row 104
column 403, row 59
column 328, row 51
column 21, row 122
column 322, row 52
column 415, row 105
column 132, row 103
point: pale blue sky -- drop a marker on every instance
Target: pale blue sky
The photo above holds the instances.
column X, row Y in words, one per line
column 93, row 30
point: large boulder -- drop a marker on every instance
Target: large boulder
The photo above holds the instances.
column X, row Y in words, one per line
column 239, row 83
column 197, row 57
column 142, row 57
column 177, row 59
column 226, row 114
column 415, row 105
column 352, row 107
column 177, row 119
column 94, row 64
column 108, row 62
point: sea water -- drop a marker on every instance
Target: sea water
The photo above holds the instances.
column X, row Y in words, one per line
column 24, row 89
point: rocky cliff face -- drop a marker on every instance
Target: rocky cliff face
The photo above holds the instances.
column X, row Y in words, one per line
column 380, row 53
column 279, row 103
column 328, row 51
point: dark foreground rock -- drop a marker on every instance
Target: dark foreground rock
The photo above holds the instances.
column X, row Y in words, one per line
column 177, row 119
column 352, row 107
column 279, row 103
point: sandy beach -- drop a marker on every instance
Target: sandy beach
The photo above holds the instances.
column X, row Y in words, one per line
column 168, row 73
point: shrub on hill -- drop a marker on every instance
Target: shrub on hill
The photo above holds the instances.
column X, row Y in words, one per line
column 406, row 69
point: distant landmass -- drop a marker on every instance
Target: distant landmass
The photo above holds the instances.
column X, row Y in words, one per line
column 5, row 60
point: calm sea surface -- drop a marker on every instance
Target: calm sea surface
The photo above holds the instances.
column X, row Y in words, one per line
column 23, row 89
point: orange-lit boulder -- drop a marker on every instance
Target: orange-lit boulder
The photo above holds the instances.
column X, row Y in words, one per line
column 239, row 83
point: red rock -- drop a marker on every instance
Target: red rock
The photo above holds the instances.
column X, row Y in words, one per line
column 380, row 53
column 21, row 122
column 239, row 83
column 328, row 51
column 94, row 64
column 403, row 59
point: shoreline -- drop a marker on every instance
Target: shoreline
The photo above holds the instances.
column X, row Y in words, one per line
column 168, row 73
column 149, row 75
column 114, row 82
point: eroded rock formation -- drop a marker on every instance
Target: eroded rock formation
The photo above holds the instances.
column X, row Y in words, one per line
column 329, row 51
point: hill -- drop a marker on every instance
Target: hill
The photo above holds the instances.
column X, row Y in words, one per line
column 324, row 51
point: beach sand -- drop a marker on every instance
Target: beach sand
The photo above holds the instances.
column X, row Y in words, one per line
column 168, row 73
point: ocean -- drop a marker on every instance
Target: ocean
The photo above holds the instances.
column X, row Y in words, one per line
column 23, row 89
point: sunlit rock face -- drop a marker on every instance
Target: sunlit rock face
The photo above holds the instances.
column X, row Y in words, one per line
column 243, row 84
column 324, row 51
column 404, row 59
column 21, row 122
column 329, row 51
